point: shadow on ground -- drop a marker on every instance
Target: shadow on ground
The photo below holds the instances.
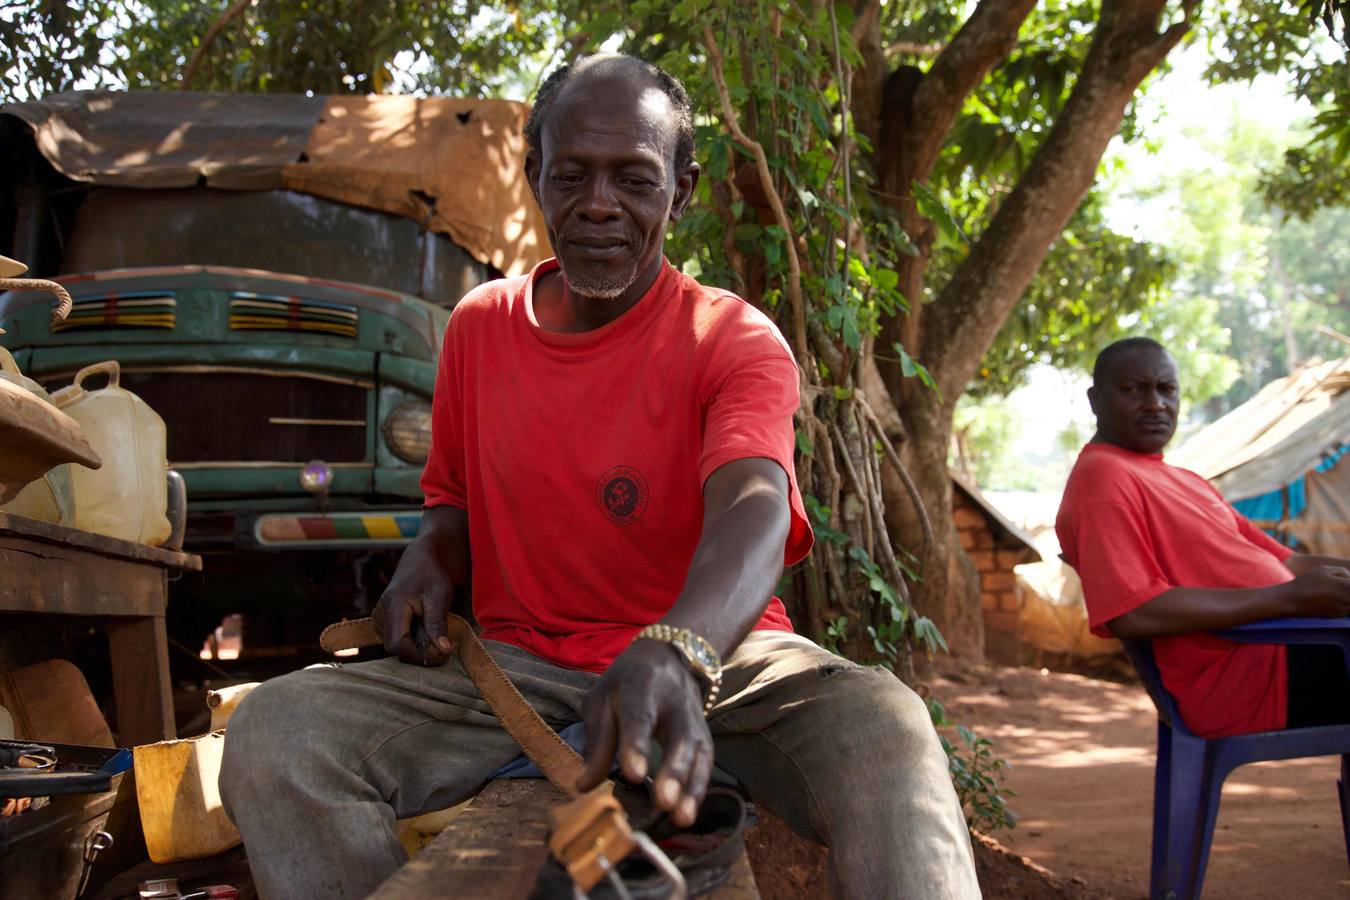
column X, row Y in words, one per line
column 1082, row 752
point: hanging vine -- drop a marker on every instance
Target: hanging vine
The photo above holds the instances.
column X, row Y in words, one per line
column 783, row 223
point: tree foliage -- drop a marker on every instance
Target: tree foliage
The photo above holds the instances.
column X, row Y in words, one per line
column 48, row 46
column 1298, row 41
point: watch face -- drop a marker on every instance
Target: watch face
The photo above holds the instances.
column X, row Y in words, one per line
column 703, row 654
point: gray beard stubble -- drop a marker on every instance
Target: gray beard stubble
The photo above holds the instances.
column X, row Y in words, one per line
column 601, row 288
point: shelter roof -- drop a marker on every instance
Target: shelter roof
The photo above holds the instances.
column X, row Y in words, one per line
column 996, row 519
column 1277, row 435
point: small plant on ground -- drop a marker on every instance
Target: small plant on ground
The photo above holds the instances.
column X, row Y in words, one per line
column 977, row 773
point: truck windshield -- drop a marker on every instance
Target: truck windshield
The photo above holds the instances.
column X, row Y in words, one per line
column 280, row 231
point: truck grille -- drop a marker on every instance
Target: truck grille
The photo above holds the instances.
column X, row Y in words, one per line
column 223, row 417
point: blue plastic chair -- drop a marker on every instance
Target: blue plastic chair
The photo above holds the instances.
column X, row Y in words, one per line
column 1188, row 779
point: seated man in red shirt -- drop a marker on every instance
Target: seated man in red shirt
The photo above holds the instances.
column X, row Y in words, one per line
column 1162, row 555
column 611, row 469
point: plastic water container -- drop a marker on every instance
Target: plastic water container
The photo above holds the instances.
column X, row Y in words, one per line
column 51, row 497
column 128, row 497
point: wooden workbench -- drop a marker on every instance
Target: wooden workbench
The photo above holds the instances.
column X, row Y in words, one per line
column 494, row 848
column 49, row 569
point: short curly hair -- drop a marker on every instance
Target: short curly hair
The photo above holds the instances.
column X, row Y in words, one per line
column 552, row 87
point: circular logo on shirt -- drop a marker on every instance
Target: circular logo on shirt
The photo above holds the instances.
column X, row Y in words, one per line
column 622, row 495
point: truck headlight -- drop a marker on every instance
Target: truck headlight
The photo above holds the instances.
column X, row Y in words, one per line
column 407, row 431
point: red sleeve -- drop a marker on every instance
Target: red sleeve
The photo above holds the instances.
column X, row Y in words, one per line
column 443, row 476
column 750, row 415
column 1117, row 564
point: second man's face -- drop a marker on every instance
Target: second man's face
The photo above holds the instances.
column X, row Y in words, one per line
column 1137, row 404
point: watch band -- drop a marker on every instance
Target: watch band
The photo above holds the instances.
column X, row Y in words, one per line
column 685, row 641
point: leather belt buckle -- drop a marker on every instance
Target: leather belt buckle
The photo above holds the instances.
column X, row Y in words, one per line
column 591, row 835
column 657, row 857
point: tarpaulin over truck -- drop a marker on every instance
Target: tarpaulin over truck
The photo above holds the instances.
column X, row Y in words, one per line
column 455, row 166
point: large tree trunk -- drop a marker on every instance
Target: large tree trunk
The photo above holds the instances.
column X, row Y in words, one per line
column 907, row 114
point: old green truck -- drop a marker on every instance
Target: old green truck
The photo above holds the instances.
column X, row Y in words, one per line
column 274, row 275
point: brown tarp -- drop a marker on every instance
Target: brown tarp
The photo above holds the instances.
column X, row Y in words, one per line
column 456, row 166
column 1324, row 526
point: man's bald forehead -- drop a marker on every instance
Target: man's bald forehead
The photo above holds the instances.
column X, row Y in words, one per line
column 1109, row 360
column 613, row 65
column 619, row 69
column 631, row 72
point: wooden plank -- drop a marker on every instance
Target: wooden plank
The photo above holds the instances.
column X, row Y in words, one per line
column 494, row 849
column 50, row 578
column 496, row 844
column 142, row 693
column 48, row 533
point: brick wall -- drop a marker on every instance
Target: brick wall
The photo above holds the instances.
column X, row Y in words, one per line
column 993, row 552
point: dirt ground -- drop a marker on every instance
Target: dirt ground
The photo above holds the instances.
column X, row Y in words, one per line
column 1082, row 751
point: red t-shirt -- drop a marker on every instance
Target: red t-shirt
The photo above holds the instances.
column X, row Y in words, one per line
column 1134, row 527
column 581, row 458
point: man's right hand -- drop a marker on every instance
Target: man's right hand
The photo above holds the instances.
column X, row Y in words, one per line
column 1321, row 592
column 419, row 594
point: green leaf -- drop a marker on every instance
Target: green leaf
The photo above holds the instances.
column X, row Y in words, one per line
column 818, row 117
column 910, row 367
column 718, row 163
column 931, row 207
column 851, row 336
column 820, row 513
column 748, row 232
column 803, row 443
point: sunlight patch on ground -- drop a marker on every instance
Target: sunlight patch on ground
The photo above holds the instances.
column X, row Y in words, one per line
column 1096, row 756
column 1062, row 749
column 1246, row 789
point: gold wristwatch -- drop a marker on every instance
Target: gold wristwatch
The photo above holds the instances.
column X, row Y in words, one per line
column 697, row 652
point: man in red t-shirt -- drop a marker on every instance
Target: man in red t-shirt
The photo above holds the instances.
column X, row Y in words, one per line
column 611, row 470
column 1162, row 555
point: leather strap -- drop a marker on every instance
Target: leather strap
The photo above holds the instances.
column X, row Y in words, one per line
column 591, row 832
column 560, row 763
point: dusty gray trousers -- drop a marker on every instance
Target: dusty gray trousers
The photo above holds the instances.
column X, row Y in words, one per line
column 319, row 763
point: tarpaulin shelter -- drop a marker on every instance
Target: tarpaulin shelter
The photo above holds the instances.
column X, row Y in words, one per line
column 455, row 166
column 1283, row 458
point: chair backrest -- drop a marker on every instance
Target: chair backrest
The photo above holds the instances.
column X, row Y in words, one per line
column 1140, row 652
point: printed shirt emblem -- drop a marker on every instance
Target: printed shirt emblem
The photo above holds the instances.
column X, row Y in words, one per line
column 622, row 495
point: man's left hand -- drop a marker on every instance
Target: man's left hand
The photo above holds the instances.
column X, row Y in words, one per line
column 649, row 693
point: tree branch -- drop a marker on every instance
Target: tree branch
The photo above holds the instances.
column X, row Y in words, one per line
column 984, row 40
column 967, row 314
column 913, row 48
column 920, row 510
column 733, row 121
column 235, row 10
